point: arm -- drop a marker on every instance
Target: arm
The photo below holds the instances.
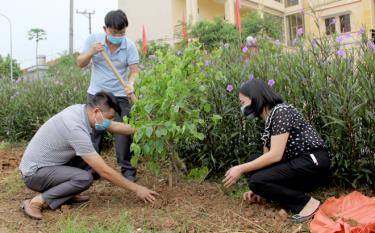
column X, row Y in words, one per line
column 84, row 58
column 120, row 128
column 133, row 74
column 274, row 155
column 98, row 164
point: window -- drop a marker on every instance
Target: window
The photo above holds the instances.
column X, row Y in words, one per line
column 294, row 23
column 330, row 25
column 291, row 3
column 345, row 23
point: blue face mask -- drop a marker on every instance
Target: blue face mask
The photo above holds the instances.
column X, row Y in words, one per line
column 103, row 125
column 115, row 39
column 247, row 112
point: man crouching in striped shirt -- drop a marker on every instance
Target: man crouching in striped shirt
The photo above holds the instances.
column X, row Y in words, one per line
column 60, row 160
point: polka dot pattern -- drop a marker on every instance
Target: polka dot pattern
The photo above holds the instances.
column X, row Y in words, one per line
column 302, row 136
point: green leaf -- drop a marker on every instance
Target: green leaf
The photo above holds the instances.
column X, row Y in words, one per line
column 136, row 149
column 125, row 119
column 149, row 131
column 207, row 107
column 161, row 132
column 134, row 161
column 154, row 168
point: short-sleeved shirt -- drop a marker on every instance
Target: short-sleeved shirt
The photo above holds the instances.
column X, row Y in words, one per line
column 65, row 135
column 303, row 137
column 102, row 77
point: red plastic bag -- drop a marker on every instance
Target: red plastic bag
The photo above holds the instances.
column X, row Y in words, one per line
column 353, row 213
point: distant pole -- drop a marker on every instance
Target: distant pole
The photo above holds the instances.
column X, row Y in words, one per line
column 71, row 27
column 88, row 14
column 11, row 46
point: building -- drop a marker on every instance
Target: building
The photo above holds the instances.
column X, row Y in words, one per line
column 37, row 71
column 162, row 18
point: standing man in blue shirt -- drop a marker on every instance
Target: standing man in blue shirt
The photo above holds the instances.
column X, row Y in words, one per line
column 124, row 55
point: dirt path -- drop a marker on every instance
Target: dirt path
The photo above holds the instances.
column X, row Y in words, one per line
column 188, row 207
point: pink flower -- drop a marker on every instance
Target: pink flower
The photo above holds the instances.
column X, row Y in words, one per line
column 229, row 88
column 271, row 82
column 245, row 49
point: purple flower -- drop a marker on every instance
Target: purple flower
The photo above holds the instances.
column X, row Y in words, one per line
column 361, row 31
column 152, row 56
column 207, row 62
column 371, row 45
column 229, row 88
column 251, row 41
column 271, row 82
column 245, row 49
column 251, row 76
column 226, row 45
column 17, row 93
column 339, row 39
column 300, row 32
column 332, row 22
column 348, row 35
column 340, row 52
column 141, row 66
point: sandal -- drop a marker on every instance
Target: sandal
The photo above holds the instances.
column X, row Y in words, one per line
column 301, row 219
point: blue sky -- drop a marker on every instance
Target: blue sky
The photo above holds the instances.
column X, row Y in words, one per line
column 53, row 17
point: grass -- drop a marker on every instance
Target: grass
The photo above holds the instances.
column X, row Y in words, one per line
column 12, row 183
column 73, row 224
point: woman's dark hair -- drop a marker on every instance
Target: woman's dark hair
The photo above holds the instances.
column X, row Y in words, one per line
column 104, row 101
column 261, row 95
column 116, row 19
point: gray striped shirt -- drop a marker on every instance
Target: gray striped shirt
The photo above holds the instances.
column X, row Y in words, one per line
column 62, row 137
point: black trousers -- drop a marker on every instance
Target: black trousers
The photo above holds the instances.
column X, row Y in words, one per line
column 287, row 182
column 122, row 142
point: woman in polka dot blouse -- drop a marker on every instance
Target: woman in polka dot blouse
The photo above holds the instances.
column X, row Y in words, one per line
column 295, row 159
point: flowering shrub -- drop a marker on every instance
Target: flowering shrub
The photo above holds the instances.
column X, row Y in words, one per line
column 27, row 104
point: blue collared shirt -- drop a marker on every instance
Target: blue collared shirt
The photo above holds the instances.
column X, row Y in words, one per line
column 102, row 77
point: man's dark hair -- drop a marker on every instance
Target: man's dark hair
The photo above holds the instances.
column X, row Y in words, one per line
column 104, row 101
column 116, row 19
column 261, row 95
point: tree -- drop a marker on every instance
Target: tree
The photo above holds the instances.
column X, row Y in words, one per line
column 214, row 33
column 5, row 70
column 38, row 34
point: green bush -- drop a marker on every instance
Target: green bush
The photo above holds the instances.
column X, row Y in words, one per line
column 212, row 34
column 169, row 112
column 27, row 104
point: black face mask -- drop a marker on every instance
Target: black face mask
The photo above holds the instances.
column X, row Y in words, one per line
column 248, row 111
